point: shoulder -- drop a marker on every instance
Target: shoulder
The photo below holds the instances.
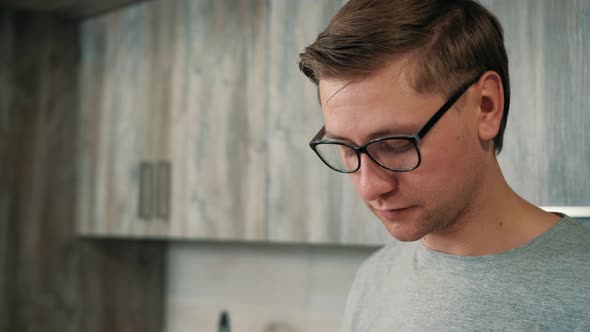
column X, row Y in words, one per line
column 571, row 237
column 564, row 254
column 566, row 243
column 566, row 267
column 577, row 228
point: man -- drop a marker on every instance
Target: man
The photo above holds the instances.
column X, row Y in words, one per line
column 415, row 98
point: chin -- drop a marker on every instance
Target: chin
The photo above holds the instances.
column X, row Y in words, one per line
column 406, row 232
column 406, row 237
column 406, row 226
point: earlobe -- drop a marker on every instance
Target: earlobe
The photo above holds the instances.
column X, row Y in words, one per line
column 491, row 105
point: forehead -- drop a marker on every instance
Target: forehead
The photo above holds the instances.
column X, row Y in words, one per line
column 383, row 102
column 337, row 91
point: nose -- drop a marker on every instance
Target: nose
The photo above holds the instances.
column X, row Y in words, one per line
column 373, row 181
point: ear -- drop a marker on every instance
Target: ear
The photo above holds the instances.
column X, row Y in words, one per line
column 491, row 104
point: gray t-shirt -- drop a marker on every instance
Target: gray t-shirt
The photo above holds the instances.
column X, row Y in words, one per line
column 543, row 285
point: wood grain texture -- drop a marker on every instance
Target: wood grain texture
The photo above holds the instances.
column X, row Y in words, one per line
column 548, row 42
column 546, row 157
column 223, row 101
column 48, row 273
column 177, row 81
column 228, row 109
column 217, row 119
column 122, row 286
column 119, row 97
column 78, row 9
column 6, row 169
column 307, row 201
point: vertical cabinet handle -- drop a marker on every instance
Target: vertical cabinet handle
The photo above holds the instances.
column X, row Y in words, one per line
column 163, row 190
column 146, row 188
column 154, row 190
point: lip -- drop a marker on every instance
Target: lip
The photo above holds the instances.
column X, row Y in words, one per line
column 393, row 214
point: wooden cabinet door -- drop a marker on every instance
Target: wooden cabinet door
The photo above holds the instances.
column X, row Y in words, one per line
column 185, row 82
column 217, row 125
column 117, row 129
column 308, row 202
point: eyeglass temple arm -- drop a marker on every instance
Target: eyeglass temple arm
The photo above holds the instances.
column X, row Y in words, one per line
column 445, row 108
column 319, row 135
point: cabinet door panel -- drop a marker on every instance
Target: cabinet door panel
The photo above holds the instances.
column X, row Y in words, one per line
column 116, row 121
column 179, row 82
column 156, row 22
column 307, row 201
column 214, row 131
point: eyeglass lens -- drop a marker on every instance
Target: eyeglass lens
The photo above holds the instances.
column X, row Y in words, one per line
column 392, row 153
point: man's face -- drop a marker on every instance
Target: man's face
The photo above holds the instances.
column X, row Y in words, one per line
column 428, row 199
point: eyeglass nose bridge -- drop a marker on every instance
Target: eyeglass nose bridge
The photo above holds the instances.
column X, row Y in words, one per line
column 363, row 149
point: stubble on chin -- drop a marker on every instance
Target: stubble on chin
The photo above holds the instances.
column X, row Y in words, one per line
column 413, row 228
column 409, row 232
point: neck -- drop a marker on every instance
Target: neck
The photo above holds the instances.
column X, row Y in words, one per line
column 494, row 221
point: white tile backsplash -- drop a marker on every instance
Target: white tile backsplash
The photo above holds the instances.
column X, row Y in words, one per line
column 264, row 287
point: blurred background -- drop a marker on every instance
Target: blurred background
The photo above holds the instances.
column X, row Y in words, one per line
column 155, row 172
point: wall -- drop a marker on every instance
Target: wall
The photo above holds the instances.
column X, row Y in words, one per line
column 263, row 287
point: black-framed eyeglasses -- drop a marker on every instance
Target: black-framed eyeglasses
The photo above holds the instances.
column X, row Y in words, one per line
column 395, row 153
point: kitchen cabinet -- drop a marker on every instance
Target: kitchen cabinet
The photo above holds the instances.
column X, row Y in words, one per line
column 211, row 90
column 206, row 98
column 123, row 80
column 545, row 158
column 173, row 107
column 308, row 202
column 218, row 107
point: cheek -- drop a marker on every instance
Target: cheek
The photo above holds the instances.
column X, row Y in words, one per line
column 355, row 180
column 452, row 150
column 446, row 166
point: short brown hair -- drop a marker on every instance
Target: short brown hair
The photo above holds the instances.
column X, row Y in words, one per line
column 448, row 42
